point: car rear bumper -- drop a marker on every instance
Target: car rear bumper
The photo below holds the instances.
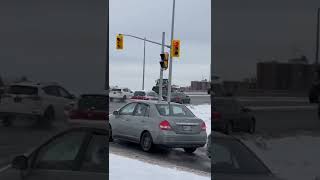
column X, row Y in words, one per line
column 173, row 140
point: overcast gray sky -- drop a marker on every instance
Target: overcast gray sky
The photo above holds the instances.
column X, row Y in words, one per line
column 247, row 30
column 151, row 18
column 54, row 40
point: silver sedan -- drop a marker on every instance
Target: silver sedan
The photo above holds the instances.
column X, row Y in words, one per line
column 152, row 123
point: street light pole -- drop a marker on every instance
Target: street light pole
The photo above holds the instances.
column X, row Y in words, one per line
column 144, row 61
column 317, row 36
column 170, row 61
column 161, row 70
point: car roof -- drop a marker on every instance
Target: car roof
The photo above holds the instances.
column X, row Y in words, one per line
column 154, row 102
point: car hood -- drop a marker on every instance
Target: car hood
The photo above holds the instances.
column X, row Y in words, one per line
column 218, row 176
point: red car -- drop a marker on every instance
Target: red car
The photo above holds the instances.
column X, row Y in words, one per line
column 88, row 109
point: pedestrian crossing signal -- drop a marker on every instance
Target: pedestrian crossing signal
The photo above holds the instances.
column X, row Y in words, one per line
column 175, row 49
column 164, row 60
column 119, row 43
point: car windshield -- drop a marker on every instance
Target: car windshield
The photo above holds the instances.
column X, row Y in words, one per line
column 99, row 102
column 26, row 90
column 152, row 94
column 174, row 110
column 139, row 93
column 231, row 156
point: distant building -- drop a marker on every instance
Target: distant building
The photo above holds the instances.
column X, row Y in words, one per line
column 295, row 75
column 200, row 85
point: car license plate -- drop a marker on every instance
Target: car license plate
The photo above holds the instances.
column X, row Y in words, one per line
column 187, row 128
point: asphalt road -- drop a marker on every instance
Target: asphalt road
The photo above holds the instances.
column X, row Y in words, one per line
column 272, row 115
column 282, row 114
column 195, row 100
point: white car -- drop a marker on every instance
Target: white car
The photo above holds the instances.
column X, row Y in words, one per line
column 41, row 101
column 120, row 94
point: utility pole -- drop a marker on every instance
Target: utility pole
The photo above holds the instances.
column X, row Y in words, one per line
column 144, row 61
column 161, row 70
column 317, row 36
column 170, row 61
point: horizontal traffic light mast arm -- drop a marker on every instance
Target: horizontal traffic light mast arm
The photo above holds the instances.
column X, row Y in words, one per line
column 146, row 40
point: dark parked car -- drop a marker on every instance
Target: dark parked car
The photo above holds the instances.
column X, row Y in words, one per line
column 233, row 160
column 79, row 153
column 145, row 95
column 180, row 97
column 229, row 115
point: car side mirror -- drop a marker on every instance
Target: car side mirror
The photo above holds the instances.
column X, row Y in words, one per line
column 116, row 113
column 20, row 162
column 72, row 96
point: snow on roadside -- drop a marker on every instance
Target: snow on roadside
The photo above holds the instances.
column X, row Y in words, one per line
column 203, row 112
column 292, row 158
column 123, row 168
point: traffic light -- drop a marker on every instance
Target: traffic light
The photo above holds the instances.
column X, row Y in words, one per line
column 119, row 41
column 164, row 60
column 175, row 49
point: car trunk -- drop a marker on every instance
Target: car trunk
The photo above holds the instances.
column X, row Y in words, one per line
column 21, row 98
column 185, row 125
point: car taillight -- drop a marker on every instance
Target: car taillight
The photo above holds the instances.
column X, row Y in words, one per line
column 216, row 116
column 203, row 126
column 165, row 125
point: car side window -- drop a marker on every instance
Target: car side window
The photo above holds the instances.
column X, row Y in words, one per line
column 141, row 110
column 96, row 156
column 52, row 91
column 61, row 153
column 128, row 109
column 63, row 92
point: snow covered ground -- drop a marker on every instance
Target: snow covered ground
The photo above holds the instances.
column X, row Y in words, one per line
column 123, row 168
column 203, row 112
column 293, row 158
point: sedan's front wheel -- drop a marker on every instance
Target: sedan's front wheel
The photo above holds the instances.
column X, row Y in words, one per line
column 146, row 142
column 190, row 150
column 252, row 127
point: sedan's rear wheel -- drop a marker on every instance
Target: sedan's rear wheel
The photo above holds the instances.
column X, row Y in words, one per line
column 189, row 150
column 124, row 98
column 7, row 121
column 146, row 142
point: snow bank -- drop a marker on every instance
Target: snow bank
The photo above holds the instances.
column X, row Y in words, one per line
column 123, row 168
column 292, row 158
column 203, row 112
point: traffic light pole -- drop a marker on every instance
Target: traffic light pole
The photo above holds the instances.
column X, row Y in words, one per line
column 161, row 70
column 170, row 61
column 144, row 61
